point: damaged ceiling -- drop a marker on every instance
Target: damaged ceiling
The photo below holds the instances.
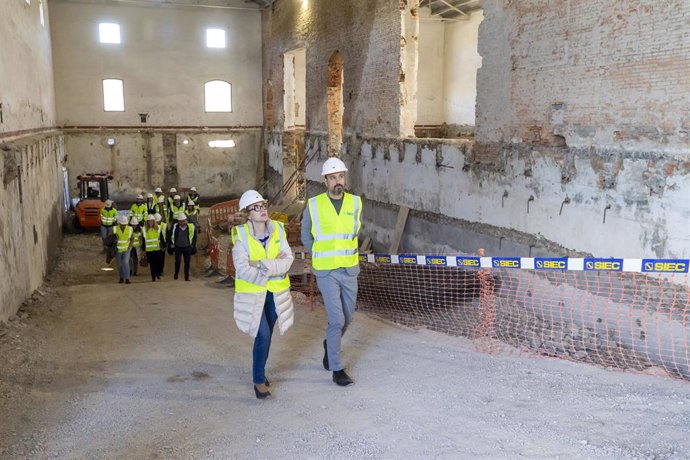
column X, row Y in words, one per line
column 451, row 9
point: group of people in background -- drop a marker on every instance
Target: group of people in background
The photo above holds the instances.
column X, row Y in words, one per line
column 149, row 229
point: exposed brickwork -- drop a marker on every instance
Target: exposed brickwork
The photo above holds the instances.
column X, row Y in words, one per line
column 603, row 72
column 366, row 33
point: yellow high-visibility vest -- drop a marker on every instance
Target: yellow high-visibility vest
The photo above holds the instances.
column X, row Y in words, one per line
column 123, row 238
column 136, row 238
column 335, row 235
column 242, row 235
column 140, row 211
column 153, row 239
column 191, row 233
column 108, row 216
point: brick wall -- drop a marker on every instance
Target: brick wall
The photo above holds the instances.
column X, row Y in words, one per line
column 366, row 33
column 611, row 73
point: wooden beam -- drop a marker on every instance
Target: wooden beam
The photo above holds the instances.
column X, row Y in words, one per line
column 399, row 228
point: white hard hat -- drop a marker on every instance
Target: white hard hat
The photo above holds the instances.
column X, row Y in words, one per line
column 177, row 197
column 333, row 165
column 193, row 189
column 182, row 216
column 161, row 199
column 158, row 190
column 250, row 197
column 108, row 203
column 191, row 202
column 133, row 221
column 149, row 195
column 157, row 217
column 173, row 190
column 140, row 197
column 150, row 217
column 122, row 220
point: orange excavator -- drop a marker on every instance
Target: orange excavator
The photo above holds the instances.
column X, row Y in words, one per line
column 93, row 191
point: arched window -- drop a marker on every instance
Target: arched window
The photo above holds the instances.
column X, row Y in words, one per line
column 218, row 95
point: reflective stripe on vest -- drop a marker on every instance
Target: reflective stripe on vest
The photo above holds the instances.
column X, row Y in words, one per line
column 335, row 235
column 136, row 239
column 123, row 238
column 153, row 239
column 176, row 210
column 138, row 211
column 164, row 231
column 108, row 216
column 191, row 233
column 256, row 253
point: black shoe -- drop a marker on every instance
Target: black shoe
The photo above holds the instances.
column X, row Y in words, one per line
column 175, row 276
column 325, row 355
column 121, row 281
column 267, row 383
column 260, row 394
column 126, row 281
column 186, row 279
column 153, row 279
column 341, row 378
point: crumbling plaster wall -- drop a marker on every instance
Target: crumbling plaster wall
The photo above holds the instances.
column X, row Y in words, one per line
column 367, row 34
column 31, row 154
column 459, row 204
column 141, row 160
column 31, row 206
column 625, row 199
column 27, row 96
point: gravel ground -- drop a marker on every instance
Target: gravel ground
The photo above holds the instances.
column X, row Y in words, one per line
column 93, row 369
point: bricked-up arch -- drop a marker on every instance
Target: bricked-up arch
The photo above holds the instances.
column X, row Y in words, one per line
column 335, row 104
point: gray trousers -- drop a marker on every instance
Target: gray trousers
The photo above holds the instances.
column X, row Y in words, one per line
column 339, row 291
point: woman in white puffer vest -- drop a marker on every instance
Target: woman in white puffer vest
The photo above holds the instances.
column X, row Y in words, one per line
column 262, row 258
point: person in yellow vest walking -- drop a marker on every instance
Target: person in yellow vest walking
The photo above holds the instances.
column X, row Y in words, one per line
column 164, row 242
column 175, row 208
column 135, row 251
column 182, row 243
column 162, row 208
column 124, row 244
column 330, row 226
column 108, row 221
column 138, row 209
column 153, row 241
column 262, row 257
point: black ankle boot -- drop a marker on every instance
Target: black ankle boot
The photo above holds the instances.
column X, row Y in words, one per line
column 261, row 394
column 341, row 378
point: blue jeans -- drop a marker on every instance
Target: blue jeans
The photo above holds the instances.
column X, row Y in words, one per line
column 105, row 231
column 123, row 264
column 262, row 342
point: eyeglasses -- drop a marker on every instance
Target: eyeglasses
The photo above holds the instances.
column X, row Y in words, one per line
column 258, row 207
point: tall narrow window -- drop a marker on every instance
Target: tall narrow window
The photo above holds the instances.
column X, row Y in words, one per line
column 215, row 38
column 218, row 96
column 40, row 13
column 113, row 95
column 109, row 32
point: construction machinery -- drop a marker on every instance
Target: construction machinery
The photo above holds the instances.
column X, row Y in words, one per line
column 85, row 211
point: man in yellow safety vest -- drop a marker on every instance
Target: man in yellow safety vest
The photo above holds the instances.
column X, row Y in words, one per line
column 124, row 244
column 330, row 226
column 108, row 221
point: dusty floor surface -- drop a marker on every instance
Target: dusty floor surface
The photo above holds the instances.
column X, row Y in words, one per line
column 94, row 369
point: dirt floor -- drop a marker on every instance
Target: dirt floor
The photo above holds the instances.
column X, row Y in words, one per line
column 94, row 369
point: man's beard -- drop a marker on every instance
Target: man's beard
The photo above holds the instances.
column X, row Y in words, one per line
column 338, row 190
